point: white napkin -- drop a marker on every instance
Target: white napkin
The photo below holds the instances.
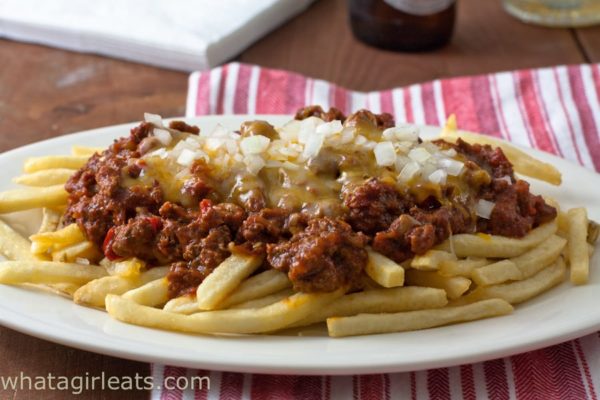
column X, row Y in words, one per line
column 179, row 34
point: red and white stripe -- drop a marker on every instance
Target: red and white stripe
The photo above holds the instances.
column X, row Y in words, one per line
column 555, row 109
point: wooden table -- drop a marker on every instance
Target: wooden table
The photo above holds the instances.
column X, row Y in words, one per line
column 47, row 92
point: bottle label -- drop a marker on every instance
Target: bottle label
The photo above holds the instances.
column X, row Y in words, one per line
column 420, row 7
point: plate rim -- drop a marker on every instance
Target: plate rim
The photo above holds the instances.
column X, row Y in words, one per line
column 250, row 366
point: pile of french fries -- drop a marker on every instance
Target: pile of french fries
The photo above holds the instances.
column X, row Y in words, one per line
column 469, row 277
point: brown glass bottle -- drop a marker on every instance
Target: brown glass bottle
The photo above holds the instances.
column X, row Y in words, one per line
column 403, row 25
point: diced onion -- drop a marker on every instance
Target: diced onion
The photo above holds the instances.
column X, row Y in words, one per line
column 313, row 145
column 307, row 128
column 401, row 161
column 163, row 136
column 154, row 119
column 385, row 155
column 409, row 171
column 419, row 155
column 289, row 165
column 162, row 153
column 360, row 140
column 254, row 144
column 186, row 158
column 254, row 163
column 289, row 132
column 213, row 144
column 452, row 167
column 484, row 208
column 403, row 132
column 330, row 128
column 438, row 176
column 83, row 261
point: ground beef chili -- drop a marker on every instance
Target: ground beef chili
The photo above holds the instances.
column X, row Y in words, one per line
column 320, row 252
column 326, row 256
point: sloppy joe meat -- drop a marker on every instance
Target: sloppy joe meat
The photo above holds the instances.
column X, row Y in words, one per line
column 321, row 243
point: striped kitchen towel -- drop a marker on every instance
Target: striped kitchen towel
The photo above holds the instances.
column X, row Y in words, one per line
column 553, row 109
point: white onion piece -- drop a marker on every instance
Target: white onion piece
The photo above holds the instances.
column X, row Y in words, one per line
column 347, row 135
column 163, row 136
column 385, row 155
column 452, row 167
column 186, row 158
column 419, row 155
column 219, row 132
column 254, row 163
column 484, row 208
column 254, row 144
column 360, row 140
column 401, row 161
column 154, row 119
column 409, row 171
column 438, row 176
column 403, row 132
column 162, row 153
column 330, row 128
column 291, row 166
column 289, row 132
column 449, row 152
column 313, row 145
column 83, row 261
column 213, row 143
column 307, row 128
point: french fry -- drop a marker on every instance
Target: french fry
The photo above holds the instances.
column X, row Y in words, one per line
column 579, row 261
column 35, row 164
column 56, row 240
column 128, row 268
column 94, row 292
column 33, row 197
column 224, row 279
column 462, row 267
column 186, row 305
column 45, row 177
column 50, row 220
column 255, row 287
column 383, row 270
column 523, row 163
column 364, row 324
column 12, row 245
column 431, row 260
column 379, row 301
column 267, row 319
column 265, row 301
column 520, row 291
column 85, row 151
column 495, row 273
column 153, row 294
column 455, row 286
column 16, row 272
column 533, row 261
column 484, row 245
column 83, row 250
column 263, row 284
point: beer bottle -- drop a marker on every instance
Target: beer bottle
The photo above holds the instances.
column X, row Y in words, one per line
column 403, row 25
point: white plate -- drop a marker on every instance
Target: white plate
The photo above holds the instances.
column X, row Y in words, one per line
column 563, row 313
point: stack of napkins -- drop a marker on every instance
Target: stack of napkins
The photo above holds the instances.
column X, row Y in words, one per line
column 180, row 34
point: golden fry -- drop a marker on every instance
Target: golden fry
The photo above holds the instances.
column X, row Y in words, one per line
column 578, row 255
column 35, row 164
column 34, row 197
column 364, row 324
column 45, row 177
column 384, row 271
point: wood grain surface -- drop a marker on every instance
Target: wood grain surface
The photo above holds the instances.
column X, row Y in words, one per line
column 47, row 92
